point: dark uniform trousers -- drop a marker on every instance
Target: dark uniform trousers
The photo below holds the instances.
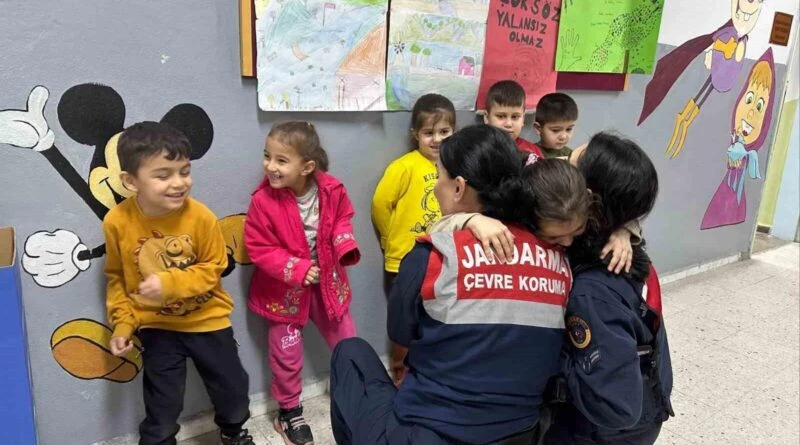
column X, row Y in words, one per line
column 362, row 408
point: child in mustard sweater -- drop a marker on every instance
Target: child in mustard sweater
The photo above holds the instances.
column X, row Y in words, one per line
column 165, row 254
column 404, row 206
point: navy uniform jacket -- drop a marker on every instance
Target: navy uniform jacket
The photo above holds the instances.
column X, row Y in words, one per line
column 616, row 382
column 483, row 338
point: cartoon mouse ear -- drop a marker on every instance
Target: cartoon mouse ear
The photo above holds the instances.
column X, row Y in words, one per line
column 91, row 113
column 192, row 121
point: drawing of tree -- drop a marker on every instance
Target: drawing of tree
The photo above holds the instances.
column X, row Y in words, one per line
column 426, row 53
column 460, row 26
column 415, row 50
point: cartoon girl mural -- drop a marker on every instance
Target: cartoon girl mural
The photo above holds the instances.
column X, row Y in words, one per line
column 725, row 50
column 750, row 125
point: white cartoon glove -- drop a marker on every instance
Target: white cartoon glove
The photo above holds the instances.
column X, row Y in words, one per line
column 28, row 128
column 51, row 258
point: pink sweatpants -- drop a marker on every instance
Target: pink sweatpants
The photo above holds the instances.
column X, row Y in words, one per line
column 286, row 349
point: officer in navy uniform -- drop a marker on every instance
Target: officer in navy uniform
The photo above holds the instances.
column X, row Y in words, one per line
column 484, row 337
column 617, row 372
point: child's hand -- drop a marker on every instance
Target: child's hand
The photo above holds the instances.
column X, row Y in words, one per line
column 493, row 235
column 150, row 288
column 120, row 346
column 619, row 246
column 312, row 276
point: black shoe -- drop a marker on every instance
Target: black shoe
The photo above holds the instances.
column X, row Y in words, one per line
column 291, row 424
column 240, row 439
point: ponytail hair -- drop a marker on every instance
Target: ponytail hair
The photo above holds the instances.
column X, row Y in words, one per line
column 301, row 136
column 487, row 159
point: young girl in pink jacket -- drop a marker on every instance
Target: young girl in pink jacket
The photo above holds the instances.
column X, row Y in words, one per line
column 299, row 235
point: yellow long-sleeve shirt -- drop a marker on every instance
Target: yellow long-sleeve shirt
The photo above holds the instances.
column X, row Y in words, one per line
column 404, row 206
column 185, row 249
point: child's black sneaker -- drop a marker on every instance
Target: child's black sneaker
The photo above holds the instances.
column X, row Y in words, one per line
column 243, row 438
column 291, row 424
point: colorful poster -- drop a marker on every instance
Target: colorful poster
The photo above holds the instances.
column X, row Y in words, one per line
column 435, row 46
column 521, row 46
column 609, row 36
column 321, row 55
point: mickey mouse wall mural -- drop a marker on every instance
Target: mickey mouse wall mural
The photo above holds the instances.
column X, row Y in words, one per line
column 94, row 115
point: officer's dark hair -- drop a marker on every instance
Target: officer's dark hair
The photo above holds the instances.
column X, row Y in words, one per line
column 625, row 183
column 487, row 159
column 147, row 139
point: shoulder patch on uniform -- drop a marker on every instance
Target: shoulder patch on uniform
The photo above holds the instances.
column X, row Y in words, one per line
column 579, row 333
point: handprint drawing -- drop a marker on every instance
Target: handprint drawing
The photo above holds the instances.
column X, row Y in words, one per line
column 569, row 41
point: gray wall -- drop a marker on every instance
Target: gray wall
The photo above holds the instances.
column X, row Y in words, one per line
column 157, row 54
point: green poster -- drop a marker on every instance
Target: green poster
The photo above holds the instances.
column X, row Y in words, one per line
column 608, row 36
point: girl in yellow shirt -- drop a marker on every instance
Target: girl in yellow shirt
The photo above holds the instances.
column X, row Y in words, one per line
column 404, row 206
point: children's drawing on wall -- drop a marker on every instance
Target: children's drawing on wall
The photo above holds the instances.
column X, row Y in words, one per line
column 321, row 55
column 81, row 348
column 750, row 123
column 435, row 46
column 724, row 56
column 612, row 36
column 519, row 32
column 93, row 115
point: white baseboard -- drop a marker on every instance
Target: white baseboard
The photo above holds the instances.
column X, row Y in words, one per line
column 698, row 269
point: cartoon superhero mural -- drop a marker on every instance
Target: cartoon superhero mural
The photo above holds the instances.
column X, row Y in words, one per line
column 750, row 125
column 724, row 56
column 94, row 115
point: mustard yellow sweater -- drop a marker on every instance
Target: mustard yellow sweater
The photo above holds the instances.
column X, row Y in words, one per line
column 185, row 249
column 404, row 206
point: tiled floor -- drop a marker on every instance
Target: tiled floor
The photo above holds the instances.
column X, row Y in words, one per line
column 735, row 338
column 765, row 241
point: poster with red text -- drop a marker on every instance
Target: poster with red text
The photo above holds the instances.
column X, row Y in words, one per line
column 521, row 45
